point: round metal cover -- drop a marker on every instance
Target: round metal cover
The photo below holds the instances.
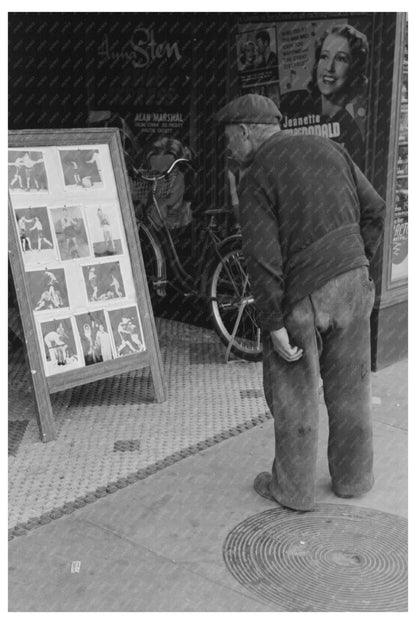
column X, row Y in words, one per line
column 336, row 558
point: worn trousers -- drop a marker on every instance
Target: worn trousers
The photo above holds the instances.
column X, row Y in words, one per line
column 332, row 326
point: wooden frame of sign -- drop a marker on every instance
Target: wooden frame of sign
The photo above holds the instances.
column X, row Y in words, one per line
column 76, row 262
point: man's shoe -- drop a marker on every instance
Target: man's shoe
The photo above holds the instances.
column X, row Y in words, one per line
column 344, row 495
column 262, row 485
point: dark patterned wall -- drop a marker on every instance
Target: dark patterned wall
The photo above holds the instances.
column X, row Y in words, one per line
column 163, row 73
column 46, row 71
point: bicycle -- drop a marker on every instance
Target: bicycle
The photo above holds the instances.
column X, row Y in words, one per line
column 219, row 277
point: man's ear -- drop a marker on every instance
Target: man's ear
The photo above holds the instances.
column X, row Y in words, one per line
column 244, row 130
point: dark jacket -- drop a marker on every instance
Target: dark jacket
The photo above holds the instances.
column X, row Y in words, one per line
column 349, row 137
column 308, row 214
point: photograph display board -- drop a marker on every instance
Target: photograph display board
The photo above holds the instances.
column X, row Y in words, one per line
column 76, row 259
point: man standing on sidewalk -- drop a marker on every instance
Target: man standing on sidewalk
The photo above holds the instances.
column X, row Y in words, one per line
column 311, row 222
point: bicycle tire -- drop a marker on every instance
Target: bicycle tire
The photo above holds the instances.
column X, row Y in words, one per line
column 229, row 294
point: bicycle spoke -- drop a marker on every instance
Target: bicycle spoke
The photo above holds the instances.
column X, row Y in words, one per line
column 230, row 265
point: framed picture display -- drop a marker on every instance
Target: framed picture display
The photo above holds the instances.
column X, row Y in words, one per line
column 76, row 263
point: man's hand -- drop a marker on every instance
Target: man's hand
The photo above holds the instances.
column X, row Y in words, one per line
column 282, row 346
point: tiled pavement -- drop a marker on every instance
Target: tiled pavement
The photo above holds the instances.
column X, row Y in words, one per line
column 110, row 430
column 172, row 482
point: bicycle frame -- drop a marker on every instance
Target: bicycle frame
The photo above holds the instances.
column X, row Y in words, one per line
column 160, row 283
column 214, row 280
column 213, row 260
column 165, row 253
column 164, row 246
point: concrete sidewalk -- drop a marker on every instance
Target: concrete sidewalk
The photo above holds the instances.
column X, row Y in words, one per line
column 186, row 537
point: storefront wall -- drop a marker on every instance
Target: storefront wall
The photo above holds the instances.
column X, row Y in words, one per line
column 373, row 128
column 169, row 73
column 388, row 171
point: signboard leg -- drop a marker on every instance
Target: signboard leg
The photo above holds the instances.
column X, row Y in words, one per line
column 158, row 383
column 44, row 415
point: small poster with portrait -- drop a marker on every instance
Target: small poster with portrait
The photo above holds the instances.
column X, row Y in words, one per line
column 59, row 346
column 104, row 229
column 48, row 289
column 81, row 169
column 76, row 261
column 35, row 235
column 70, row 231
column 257, row 59
column 127, row 331
column 94, row 336
column 26, row 172
column 103, row 281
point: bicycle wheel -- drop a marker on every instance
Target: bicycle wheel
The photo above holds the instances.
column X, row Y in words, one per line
column 232, row 305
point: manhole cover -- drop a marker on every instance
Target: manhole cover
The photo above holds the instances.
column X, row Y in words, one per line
column 336, row 558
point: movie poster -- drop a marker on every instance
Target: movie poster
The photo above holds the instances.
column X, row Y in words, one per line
column 319, row 75
column 257, row 57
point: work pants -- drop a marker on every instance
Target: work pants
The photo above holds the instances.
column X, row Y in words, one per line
column 332, row 326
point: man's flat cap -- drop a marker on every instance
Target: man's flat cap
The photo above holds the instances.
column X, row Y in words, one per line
column 251, row 108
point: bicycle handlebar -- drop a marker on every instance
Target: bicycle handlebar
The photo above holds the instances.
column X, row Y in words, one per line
column 163, row 174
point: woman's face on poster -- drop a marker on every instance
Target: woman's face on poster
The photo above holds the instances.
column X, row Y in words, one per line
column 250, row 52
column 334, row 65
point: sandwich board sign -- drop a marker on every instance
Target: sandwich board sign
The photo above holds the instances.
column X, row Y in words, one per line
column 76, row 262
